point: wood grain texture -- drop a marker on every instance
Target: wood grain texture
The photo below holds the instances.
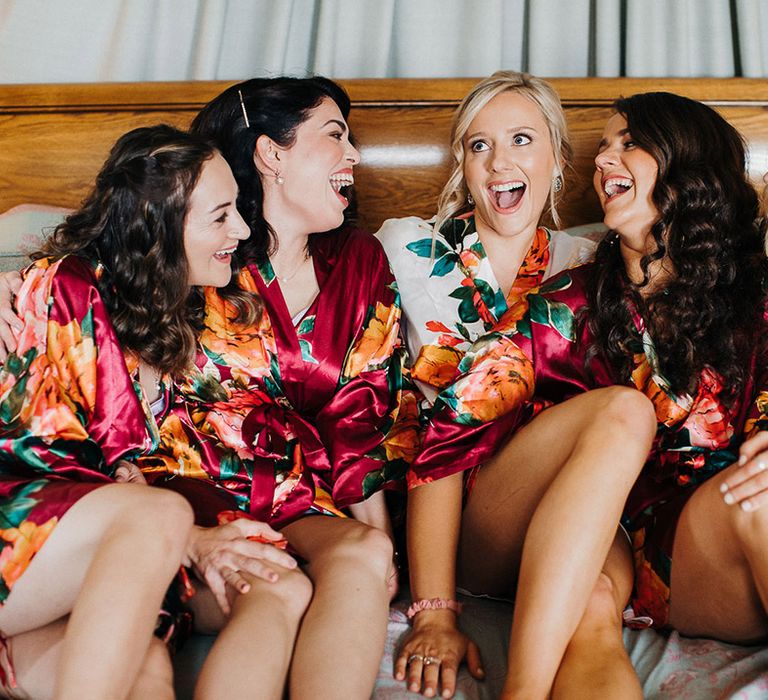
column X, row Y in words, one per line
column 54, row 137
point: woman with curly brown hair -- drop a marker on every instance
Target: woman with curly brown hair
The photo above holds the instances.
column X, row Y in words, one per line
column 674, row 307
column 110, row 312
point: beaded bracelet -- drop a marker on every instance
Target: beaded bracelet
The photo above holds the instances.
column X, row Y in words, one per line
column 433, row 604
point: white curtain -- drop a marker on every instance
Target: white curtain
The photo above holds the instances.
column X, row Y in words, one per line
column 130, row 40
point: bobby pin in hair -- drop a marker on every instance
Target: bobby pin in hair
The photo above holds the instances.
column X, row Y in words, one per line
column 245, row 113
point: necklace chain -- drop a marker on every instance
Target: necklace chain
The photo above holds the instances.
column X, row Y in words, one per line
column 287, row 278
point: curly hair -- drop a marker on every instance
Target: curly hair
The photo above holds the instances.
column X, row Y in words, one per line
column 132, row 223
column 236, row 118
column 707, row 315
column 453, row 198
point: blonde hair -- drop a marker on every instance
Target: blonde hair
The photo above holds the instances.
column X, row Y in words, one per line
column 453, row 198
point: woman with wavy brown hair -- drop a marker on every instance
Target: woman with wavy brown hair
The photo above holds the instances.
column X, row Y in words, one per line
column 110, row 312
column 674, row 307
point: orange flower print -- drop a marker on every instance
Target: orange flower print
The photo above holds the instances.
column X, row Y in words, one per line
column 470, row 259
column 377, row 342
column 245, row 348
column 708, row 425
column 21, row 544
column 499, row 381
column 402, row 441
column 668, row 411
column 436, row 365
column 73, row 353
column 174, row 441
column 33, row 302
column 48, row 413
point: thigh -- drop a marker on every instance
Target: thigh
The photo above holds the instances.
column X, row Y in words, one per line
column 48, row 587
column 509, row 487
column 712, row 590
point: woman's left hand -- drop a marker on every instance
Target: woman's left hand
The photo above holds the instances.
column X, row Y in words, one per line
column 747, row 486
column 128, row 472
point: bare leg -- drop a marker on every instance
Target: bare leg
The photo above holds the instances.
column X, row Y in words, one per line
column 342, row 637
column 253, row 650
column 36, row 657
column 596, row 664
column 719, row 585
column 111, row 557
column 559, row 485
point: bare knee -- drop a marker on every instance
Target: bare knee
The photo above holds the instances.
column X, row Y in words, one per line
column 749, row 527
column 628, row 410
column 162, row 519
column 369, row 547
column 293, row 590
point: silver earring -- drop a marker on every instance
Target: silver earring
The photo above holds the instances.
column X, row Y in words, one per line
column 470, row 200
column 557, row 183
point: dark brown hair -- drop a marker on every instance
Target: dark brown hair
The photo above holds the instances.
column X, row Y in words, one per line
column 709, row 228
column 132, row 223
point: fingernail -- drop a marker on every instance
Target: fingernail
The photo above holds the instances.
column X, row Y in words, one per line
column 723, row 487
column 729, row 499
column 746, row 505
column 413, row 687
column 742, row 460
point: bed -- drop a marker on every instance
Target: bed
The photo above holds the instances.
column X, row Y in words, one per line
column 54, row 137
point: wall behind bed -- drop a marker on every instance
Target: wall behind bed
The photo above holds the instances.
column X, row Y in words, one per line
column 54, row 137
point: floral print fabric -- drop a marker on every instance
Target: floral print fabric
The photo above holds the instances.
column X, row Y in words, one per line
column 697, row 436
column 283, row 418
column 69, row 409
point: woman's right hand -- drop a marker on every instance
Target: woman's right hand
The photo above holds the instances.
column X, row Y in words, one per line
column 10, row 323
column 436, row 638
column 219, row 555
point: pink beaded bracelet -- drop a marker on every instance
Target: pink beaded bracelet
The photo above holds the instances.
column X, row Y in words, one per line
column 433, row 604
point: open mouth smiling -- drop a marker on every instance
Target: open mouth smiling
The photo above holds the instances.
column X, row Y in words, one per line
column 340, row 182
column 507, row 195
column 616, row 186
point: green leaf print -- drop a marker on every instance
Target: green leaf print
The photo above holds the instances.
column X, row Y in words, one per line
column 229, row 465
column 555, row 285
column 443, row 266
column 423, row 248
column 561, row 319
column 467, row 311
column 372, row 482
column 523, row 326
column 537, row 308
column 15, row 510
column 86, row 325
column 306, row 351
column 307, row 325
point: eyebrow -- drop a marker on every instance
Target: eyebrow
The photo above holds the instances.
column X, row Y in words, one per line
column 511, row 130
column 338, row 123
column 604, row 142
column 224, row 205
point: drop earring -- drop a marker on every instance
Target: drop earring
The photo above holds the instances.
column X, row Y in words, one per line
column 279, row 179
column 470, row 199
column 557, row 183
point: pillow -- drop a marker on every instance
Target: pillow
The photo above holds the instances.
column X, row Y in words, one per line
column 22, row 229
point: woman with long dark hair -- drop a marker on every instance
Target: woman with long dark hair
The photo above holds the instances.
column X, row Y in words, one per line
column 674, row 308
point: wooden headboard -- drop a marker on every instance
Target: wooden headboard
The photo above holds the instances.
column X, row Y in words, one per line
column 53, row 138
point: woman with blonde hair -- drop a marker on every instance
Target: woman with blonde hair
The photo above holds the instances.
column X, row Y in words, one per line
column 464, row 278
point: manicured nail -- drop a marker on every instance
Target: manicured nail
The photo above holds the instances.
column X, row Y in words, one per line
column 723, row 487
column 742, row 460
column 729, row 499
column 746, row 505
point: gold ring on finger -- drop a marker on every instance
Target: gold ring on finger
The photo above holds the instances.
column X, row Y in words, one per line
column 415, row 657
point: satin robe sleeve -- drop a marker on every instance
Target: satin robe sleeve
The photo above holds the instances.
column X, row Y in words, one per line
column 67, row 401
column 507, row 377
column 370, row 426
